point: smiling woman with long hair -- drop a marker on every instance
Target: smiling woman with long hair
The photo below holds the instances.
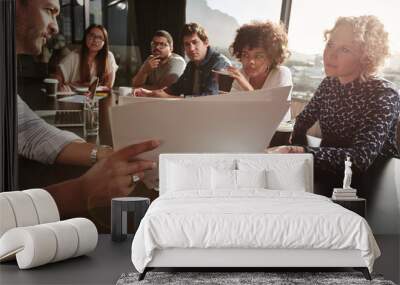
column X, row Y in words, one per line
column 92, row 59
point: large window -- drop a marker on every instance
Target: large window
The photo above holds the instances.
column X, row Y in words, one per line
column 117, row 22
column 72, row 20
column 96, row 12
column 222, row 18
column 308, row 21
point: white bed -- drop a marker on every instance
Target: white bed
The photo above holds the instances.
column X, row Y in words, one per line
column 247, row 210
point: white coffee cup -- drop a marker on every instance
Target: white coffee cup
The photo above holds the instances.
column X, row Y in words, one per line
column 124, row 91
column 51, row 86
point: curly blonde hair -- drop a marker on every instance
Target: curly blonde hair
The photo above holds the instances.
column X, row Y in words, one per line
column 266, row 35
column 370, row 34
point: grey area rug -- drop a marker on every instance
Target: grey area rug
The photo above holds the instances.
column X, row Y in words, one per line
column 243, row 278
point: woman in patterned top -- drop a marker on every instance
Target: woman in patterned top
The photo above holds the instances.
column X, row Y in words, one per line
column 357, row 111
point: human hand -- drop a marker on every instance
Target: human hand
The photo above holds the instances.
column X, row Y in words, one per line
column 64, row 88
column 104, row 152
column 141, row 92
column 160, row 93
column 79, row 85
column 151, row 63
column 234, row 72
column 240, row 78
column 113, row 176
column 285, row 149
column 291, row 138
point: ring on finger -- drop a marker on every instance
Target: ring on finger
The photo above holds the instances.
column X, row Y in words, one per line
column 135, row 178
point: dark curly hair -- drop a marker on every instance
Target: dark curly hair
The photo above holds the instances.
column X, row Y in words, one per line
column 266, row 35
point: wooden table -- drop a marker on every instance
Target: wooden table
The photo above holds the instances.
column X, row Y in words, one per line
column 31, row 91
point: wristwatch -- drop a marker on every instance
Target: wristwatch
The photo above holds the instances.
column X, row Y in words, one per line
column 94, row 152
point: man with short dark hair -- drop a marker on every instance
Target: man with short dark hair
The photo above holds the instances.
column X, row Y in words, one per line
column 198, row 78
column 112, row 174
column 163, row 67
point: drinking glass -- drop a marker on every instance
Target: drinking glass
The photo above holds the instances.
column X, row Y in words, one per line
column 91, row 117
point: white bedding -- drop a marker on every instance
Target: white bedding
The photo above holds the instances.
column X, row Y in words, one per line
column 251, row 218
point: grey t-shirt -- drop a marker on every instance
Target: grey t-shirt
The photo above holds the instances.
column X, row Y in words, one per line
column 38, row 140
column 174, row 66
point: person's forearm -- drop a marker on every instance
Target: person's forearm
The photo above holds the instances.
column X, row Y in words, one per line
column 171, row 96
column 245, row 84
column 140, row 78
column 79, row 153
column 59, row 76
column 111, row 176
column 110, row 79
column 76, row 153
column 168, row 80
column 161, row 93
column 150, row 87
column 69, row 197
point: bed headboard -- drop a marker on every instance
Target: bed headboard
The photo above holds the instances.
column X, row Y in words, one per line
column 294, row 166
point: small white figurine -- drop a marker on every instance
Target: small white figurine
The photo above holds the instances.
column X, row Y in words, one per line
column 347, row 174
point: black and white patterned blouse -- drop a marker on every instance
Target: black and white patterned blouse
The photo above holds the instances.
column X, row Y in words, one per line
column 357, row 119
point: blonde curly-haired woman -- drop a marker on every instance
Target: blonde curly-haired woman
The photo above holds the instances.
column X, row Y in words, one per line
column 357, row 110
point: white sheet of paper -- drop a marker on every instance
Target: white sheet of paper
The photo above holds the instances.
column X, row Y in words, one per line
column 234, row 123
column 66, row 93
column 83, row 89
column 240, row 95
column 77, row 99
column 123, row 100
column 73, row 99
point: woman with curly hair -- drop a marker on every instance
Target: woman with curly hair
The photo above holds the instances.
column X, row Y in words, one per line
column 92, row 59
column 261, row 47
column 357, row 110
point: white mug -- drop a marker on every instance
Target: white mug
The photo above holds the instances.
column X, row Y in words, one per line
column 124, row 91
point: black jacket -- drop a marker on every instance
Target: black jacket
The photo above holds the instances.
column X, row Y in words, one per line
column 208, row 79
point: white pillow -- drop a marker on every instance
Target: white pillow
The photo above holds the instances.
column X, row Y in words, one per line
column 251, row 178
column 291, row 179
column 188, row 177
column 223, row 179
column 236, row 179
column 281, row 174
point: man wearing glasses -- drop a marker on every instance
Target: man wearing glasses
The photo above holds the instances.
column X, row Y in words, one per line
column 198, row 78
column 163, row 67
